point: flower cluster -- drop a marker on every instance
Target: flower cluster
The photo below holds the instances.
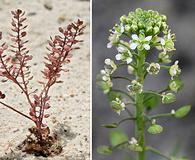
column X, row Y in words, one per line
column 136, row 35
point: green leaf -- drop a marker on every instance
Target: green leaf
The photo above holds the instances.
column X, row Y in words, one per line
column 183, row 111
column 176, row 85
column 117, row 137
column 155, row 129
column 151, row 100
column 168, row 98
column 104, row 150
column 111, row 125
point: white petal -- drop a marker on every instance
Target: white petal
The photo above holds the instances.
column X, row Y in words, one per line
column 135, row 37
column 103, row 71
column 176, row 62
column 121, row 49
column 129, row 60
column 118, row 57
column 174, row 72
column 169, row 36
column 122, row 29
column 107, row 61
column 133, row 45
column 147, row 47
column 109, row 45
column 148, row 38
column 162, row 41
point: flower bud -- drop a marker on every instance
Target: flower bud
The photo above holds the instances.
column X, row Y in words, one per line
column 156, row 30
column 176, row 85
column 168, row 98
column 174, row 70
column 155, row 129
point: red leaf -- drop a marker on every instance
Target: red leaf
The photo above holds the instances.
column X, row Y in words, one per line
column 23, row 34
column 46, row 116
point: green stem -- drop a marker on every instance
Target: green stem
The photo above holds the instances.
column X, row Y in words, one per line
column 158, row 152
column 140, row 125
column 126, row 119
column 120, row 77
column 161, row 115
column 124, row 93
column 139, row 99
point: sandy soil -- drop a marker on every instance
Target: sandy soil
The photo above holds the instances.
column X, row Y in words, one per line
column 70, row 100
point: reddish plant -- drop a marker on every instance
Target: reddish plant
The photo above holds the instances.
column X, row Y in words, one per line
column 14, row 67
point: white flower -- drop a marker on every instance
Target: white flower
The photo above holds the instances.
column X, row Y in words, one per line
column 107, row 61
column 174, row 70
column 140, row 42
column 124, row 54
column 135, row 87
column 172, row 111
column 154, row 68
column 110, row 66
column 117, row 105
column 133, row 141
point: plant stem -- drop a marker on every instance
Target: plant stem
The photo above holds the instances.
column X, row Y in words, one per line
column 140, row 125
column 16, row 110
column 161, row 115
column 158, row 153
column 139, row 99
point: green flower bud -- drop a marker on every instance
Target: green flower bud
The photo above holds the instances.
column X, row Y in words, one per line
column 127, row 28
column 155, row 129
column 123, row 19
column 164, row 57
column 176, row 85
column 156, row 30
column 183, row 111
column 134, row 27
column 168, row 98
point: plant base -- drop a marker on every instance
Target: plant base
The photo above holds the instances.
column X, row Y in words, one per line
column 49, row 146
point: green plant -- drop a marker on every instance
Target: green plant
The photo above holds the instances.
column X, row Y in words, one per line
column 144, row 30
